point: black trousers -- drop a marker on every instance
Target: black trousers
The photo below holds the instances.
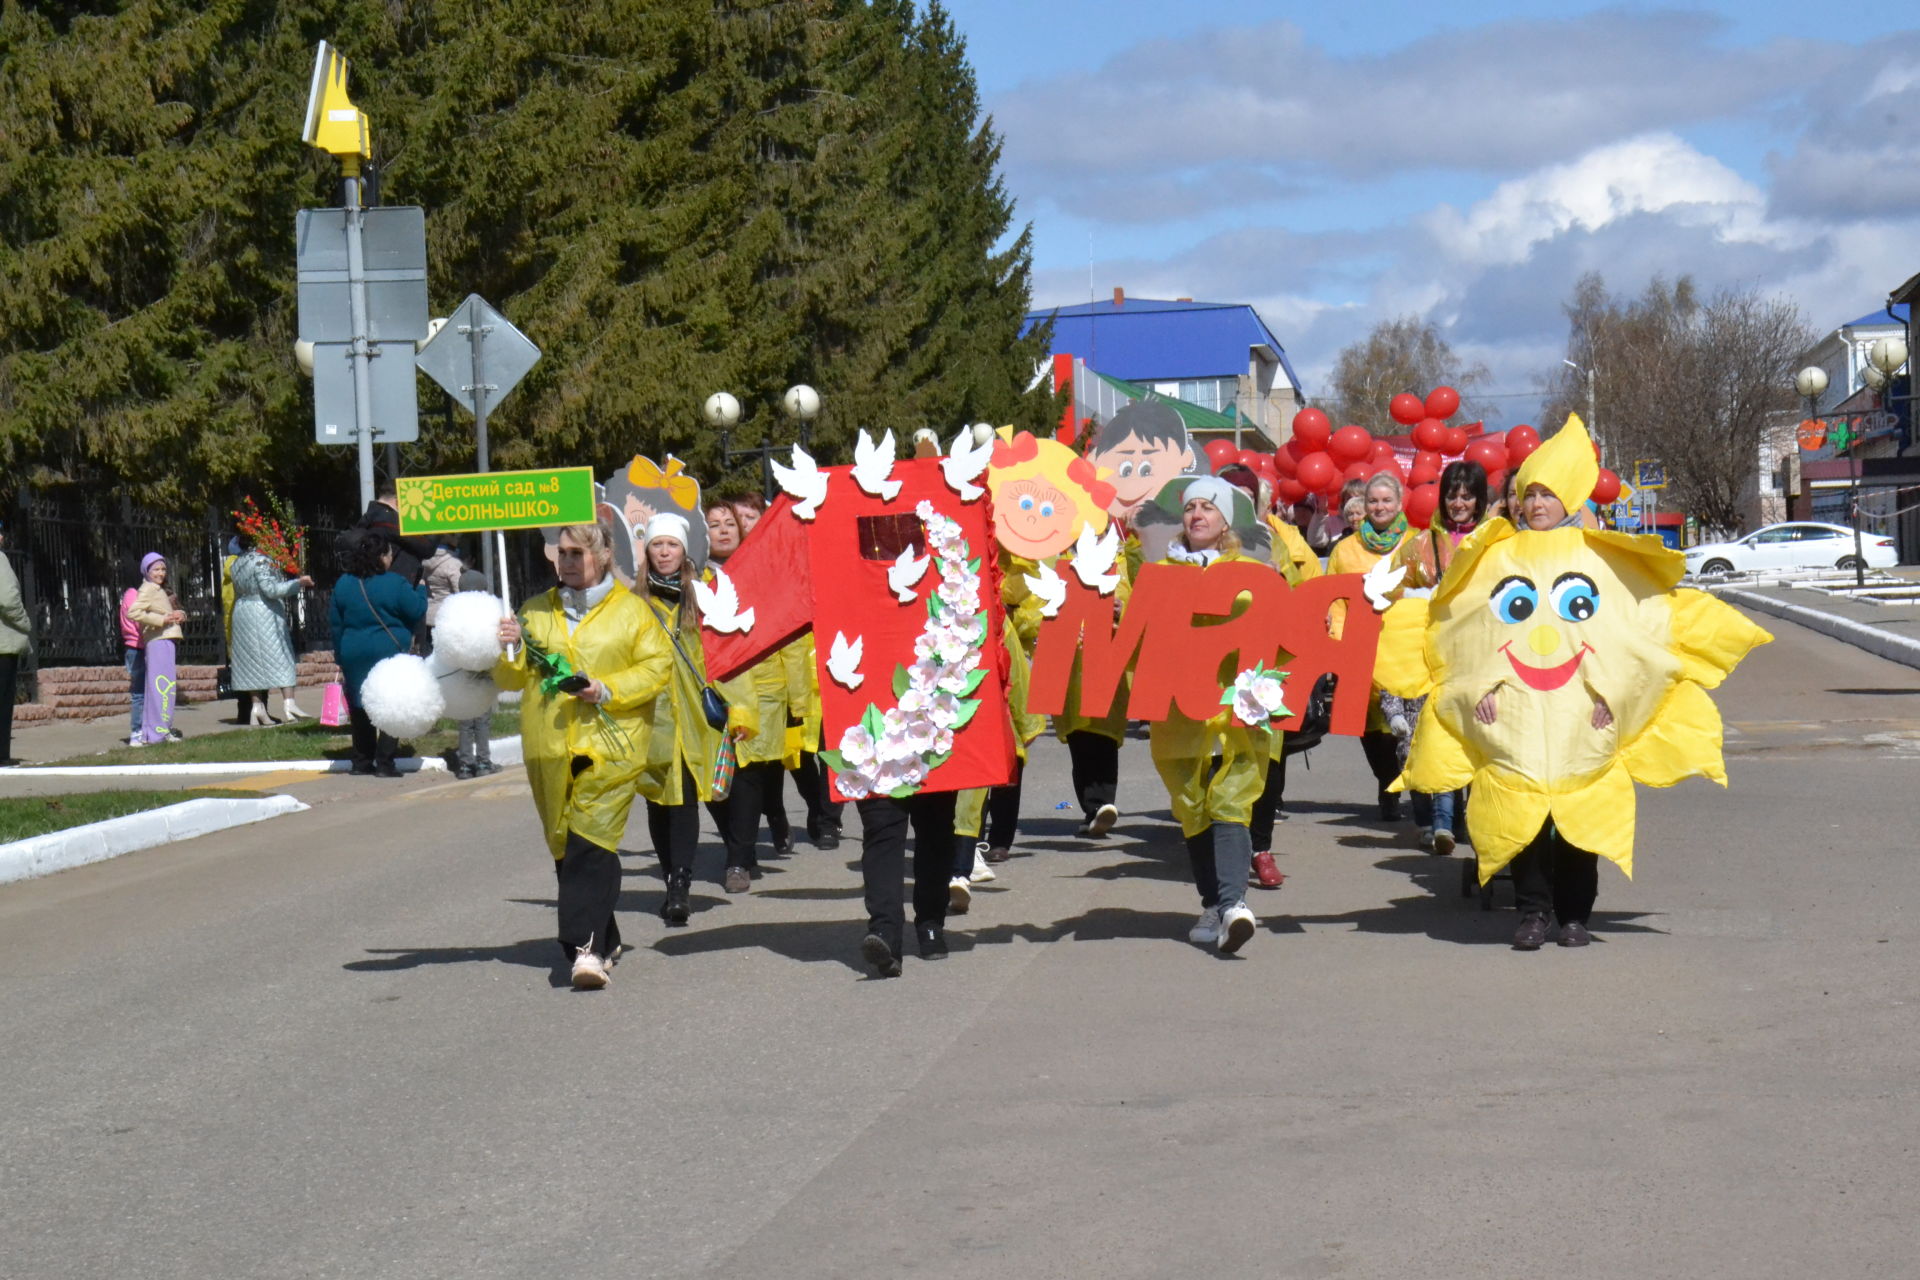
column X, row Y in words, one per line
column 1552, row 875
column 810, row 780
column 1268, row 806
column 1003, row 810
column 883, row 853
column 751, row 783
column 1383, row 756
column 369, row 745
column 675, row 829
column 589, row 887
column 1096, row 769
column 9, row 678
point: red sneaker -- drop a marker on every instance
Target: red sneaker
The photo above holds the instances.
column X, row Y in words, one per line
column 1265, row 874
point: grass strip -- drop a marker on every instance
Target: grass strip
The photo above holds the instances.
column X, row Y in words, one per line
column 305, row 740
column 24, row 816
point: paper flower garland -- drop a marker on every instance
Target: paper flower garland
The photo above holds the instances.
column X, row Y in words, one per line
column 891, row 752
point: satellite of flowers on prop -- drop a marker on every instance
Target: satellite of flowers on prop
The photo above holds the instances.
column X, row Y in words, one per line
column 891, row 752
column 1257, row 697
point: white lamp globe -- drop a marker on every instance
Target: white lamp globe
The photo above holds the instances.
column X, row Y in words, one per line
column 801, row 401
column 722, row 409
column 1811, row 381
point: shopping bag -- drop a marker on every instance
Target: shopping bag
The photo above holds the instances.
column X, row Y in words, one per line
column 725, row 762
column 333, row 705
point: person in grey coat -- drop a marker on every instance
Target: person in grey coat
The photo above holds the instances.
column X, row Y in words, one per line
column 262, row 651
column 15, row 630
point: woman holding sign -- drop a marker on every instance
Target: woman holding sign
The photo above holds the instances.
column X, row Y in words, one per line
column 588, row 657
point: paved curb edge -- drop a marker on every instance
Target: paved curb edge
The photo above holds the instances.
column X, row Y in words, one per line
column 504, row 751
column 1883, row 643
column 75, row 847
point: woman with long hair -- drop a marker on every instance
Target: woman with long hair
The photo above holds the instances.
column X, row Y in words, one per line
column 1213, row 769
column 681, row 746
column 583, row 731
column 1381, row 530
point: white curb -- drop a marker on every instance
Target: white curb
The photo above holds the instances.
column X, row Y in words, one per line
column 504, row 750
column 1894, row 648
column 98, row 841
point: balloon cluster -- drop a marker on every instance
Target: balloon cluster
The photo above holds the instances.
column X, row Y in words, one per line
column 1320, row 459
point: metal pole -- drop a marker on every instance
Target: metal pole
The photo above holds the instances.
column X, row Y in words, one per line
column 476, row 348
column 1853, row 476
column 360, row 352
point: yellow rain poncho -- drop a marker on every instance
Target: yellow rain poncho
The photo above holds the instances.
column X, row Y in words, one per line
column 970, row 806
column 1183, row 752
column 757, row 704
column 619, row 644
column 678, row 735
column 1553, row 622
column 1290, row 548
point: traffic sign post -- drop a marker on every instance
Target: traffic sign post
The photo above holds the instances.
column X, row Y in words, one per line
column 478, row 357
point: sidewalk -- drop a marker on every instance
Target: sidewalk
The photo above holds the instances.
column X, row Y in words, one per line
column 1888, row 630
column 40, row 741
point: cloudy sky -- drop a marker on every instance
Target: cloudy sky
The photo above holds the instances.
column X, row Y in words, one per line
column 1338, row 164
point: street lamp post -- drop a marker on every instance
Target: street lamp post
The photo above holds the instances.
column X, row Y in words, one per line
column 722, row 410
column 1884, row 359
column 1811, row 383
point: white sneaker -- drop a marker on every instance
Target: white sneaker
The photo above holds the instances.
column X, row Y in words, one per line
column 1206, row 930
column 1236, row 926
column 136, row 741
column 1102, row 820
column 589, row 971
column 959, row 896
column 981, row 871
column 1443, row 842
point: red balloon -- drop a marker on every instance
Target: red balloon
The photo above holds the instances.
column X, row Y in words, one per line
column 1350, row 444
column 1523, row 436
column 1359, row 470
column 1384, row 452
column 1421, row 504
column 1488, row 453
column 1292, row 491
column 1456, row 442
column 1430, row 435
column 1311, row 429
column 1423, row 475
column 1429, row 458
column 1299, row 449
column 1496, row 485
column 1406, row 409
column 1284, row 463
column 1441, row 402
column 1518, row 451
column 1606, row 488
column 1220, row 452
column 1317, row 473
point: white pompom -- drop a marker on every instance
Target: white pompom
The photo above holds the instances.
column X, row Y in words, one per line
column 468, row 694
column 466, row 630
column 401, row 696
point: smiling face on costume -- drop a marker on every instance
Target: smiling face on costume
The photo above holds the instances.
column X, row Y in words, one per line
column 1139, row 468
column 1032, row 518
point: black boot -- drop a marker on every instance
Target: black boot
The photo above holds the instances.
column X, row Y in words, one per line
column 677, row 908
column 932, row 939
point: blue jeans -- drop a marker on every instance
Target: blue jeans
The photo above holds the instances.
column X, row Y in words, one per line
column 136, row 660
column 1442, row 809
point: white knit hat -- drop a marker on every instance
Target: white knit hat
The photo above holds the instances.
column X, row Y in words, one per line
column 667, row 525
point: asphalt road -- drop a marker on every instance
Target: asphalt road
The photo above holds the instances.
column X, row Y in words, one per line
column 338, row 1045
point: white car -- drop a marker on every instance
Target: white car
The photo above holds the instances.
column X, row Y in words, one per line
column 1798, row 545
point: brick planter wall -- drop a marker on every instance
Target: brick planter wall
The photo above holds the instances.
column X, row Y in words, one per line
column 88, row 693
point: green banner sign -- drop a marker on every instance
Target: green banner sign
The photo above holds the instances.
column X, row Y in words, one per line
column 496, row 500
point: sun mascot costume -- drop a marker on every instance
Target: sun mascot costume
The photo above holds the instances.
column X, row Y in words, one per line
column 1561, row 621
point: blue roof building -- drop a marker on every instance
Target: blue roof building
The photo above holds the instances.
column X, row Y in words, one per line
column 1218, row 355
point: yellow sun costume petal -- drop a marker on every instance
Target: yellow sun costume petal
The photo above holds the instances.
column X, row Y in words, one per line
column 1552, row 625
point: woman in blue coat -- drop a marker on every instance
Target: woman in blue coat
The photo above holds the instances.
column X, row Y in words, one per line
column 374, row 612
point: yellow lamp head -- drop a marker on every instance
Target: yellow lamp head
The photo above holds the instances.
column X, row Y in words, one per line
column 333, row 123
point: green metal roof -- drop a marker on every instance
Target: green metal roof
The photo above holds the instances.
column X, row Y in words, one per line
column 1196, row 417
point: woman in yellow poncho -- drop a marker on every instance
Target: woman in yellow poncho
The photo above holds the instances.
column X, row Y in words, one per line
column 583, row 731
column 681, row 746
column 1213, row 804
column 1377, row 536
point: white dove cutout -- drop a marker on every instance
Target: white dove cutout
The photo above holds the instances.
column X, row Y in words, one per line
column 904, row 575
column 1093, row 558
column 804, row 481
column 1049, row 588
column 872, row 464
column 720, row 605
column 966, row 458
column 1380, row 580
column 843, row 661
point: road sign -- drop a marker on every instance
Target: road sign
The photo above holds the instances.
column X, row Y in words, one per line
column 1626, row 492
column 1648, row 474
column 478, row 348
column 394, row 241
column 495, row 500
column 391, row 381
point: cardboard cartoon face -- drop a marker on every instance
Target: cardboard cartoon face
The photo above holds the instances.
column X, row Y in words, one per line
column 1140, row 449
column 1158, row 522
column 1044, row 494
column 643, row 489
column 1554, row 624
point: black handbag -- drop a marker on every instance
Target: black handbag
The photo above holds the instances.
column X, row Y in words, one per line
column 712, row 705
column 1317, row 720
